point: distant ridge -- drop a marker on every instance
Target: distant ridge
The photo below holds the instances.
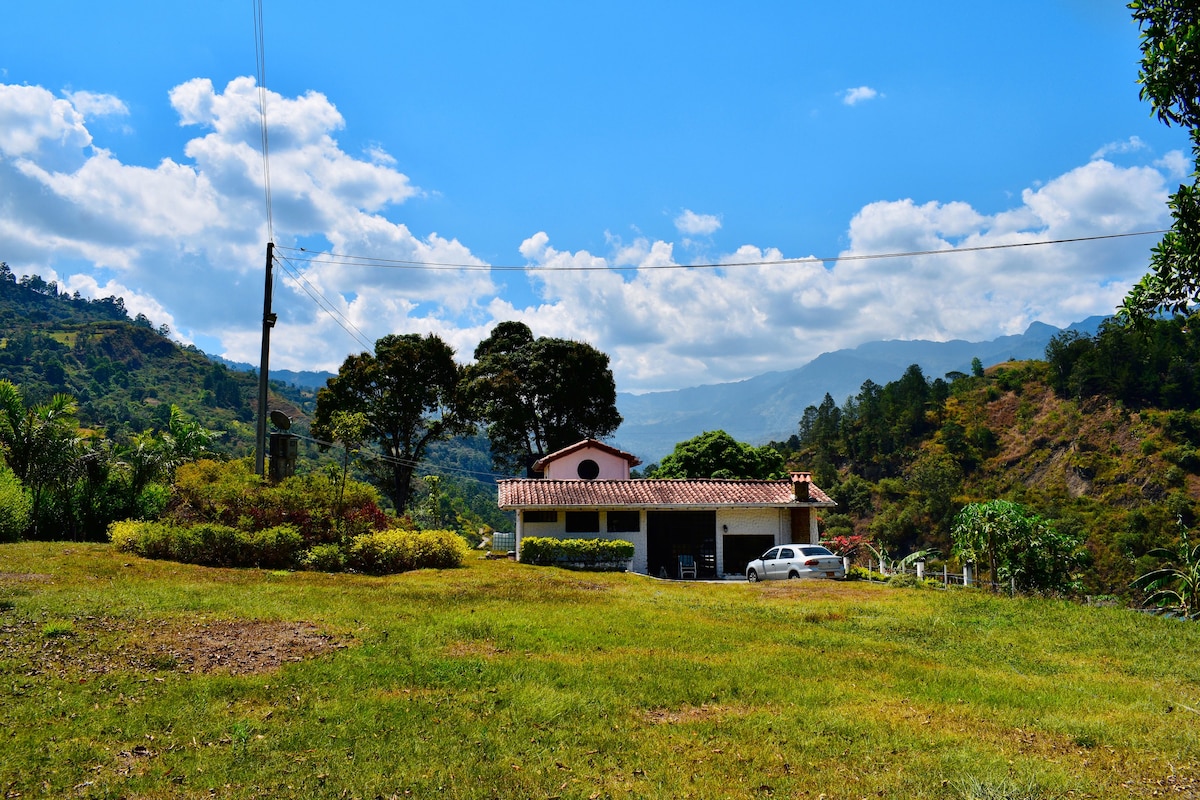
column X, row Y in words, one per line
column 769, row 406
column 305, row 379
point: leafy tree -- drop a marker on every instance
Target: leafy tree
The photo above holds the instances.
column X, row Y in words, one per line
column 41, row 443
column 409, row 392
column 539, row 395
column 716, row 454
column 1018, row 546
column 1170, row 81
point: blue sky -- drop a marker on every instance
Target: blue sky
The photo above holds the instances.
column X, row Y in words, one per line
column 615, row 135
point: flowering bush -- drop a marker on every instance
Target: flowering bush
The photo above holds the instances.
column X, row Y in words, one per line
column 847, row 546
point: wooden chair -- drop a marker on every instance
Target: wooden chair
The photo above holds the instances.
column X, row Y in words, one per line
column 687, row 567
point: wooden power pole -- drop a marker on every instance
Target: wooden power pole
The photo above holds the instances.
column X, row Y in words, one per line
column 260, row 440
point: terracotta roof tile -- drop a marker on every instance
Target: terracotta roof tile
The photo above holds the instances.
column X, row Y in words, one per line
column 646, row 493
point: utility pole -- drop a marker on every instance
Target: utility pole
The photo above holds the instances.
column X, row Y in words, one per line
column 260, row 440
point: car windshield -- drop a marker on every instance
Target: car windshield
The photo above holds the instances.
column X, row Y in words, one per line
column 815, row 551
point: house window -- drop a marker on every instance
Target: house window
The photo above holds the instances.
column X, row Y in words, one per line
column 583, row 522
column 624, row 521
column 541, row 516
column 588, row 469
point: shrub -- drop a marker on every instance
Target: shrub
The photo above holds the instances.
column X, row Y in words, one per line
column 324, row 558
column 15, row 506
column 391, row 551
column 585, row 553
column 228, row 493
column 209, row 544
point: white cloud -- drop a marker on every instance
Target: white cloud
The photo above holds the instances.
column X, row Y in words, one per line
column 858, row 95
column 692, row 224
column 30, row 117
column 183, row 242
column 185, row 238
column 1176, row 164
column 1131, row 145
column 91, row 104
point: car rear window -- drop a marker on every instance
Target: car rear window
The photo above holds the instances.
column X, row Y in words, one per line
column 815, row 551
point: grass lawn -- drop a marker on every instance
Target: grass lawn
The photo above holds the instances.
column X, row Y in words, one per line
column 122, row 677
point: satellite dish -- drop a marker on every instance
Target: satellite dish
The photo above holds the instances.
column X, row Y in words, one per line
column 281, row 420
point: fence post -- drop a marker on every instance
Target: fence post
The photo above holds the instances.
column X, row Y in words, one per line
column 945, row 575
column 920, row 570
column 846, row 565
column 966, row 573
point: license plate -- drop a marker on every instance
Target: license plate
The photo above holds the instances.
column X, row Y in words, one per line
column 829, row 574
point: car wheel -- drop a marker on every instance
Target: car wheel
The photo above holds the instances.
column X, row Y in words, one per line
column 752, row 576
column 793, row 575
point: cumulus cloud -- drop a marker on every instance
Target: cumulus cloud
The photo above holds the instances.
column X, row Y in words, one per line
column 183, row 242
column 859, row 94
column 690, row 223
column 667, row 326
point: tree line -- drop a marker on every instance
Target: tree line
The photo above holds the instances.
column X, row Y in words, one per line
column 530, row 395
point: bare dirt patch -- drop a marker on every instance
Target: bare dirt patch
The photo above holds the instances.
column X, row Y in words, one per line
column 239, row 647
column 98, row 645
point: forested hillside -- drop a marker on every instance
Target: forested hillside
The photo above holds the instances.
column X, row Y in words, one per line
column 1101, row 438
column 125, row 375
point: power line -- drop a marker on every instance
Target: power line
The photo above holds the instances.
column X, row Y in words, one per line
column 324, row 303
column 260, row 51
column 344, row 259
column 415, row 464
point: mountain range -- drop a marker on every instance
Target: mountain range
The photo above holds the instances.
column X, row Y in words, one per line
column 768, row 407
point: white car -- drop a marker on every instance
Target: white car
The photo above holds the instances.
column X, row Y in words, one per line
column 795, row 561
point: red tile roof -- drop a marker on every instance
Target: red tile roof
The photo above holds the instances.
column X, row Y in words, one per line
column 651, row 493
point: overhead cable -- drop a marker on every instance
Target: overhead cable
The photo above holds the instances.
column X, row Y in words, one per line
column 344, row 259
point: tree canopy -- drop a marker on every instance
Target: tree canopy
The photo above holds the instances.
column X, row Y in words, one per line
column 408, row 390
column 538, row 395
column 716, row 454
column 1170, row 81
column 1018, row 546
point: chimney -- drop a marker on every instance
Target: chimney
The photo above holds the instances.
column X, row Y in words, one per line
column 800, row 483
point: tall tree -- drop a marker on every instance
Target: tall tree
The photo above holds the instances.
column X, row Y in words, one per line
column 716, row 454
column 408, row 390
column 539, row 395
column 1170, row 80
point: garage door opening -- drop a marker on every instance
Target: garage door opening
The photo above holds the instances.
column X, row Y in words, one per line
column 671, row 534
column 738, row 551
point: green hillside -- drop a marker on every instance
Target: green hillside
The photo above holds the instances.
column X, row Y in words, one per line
column 1101, row 439
column 125, row 374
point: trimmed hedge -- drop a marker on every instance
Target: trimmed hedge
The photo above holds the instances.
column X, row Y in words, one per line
column 585, row 553
column 396, row 550
column 209, row 544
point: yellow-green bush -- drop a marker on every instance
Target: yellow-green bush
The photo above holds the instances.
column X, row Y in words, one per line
column 395, row 550
column 586, row 553
column 15, row 506
column 209, row 544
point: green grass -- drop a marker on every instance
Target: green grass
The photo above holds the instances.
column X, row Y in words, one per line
column 504, row 680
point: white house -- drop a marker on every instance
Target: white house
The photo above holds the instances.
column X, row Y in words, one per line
column 586, row 493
